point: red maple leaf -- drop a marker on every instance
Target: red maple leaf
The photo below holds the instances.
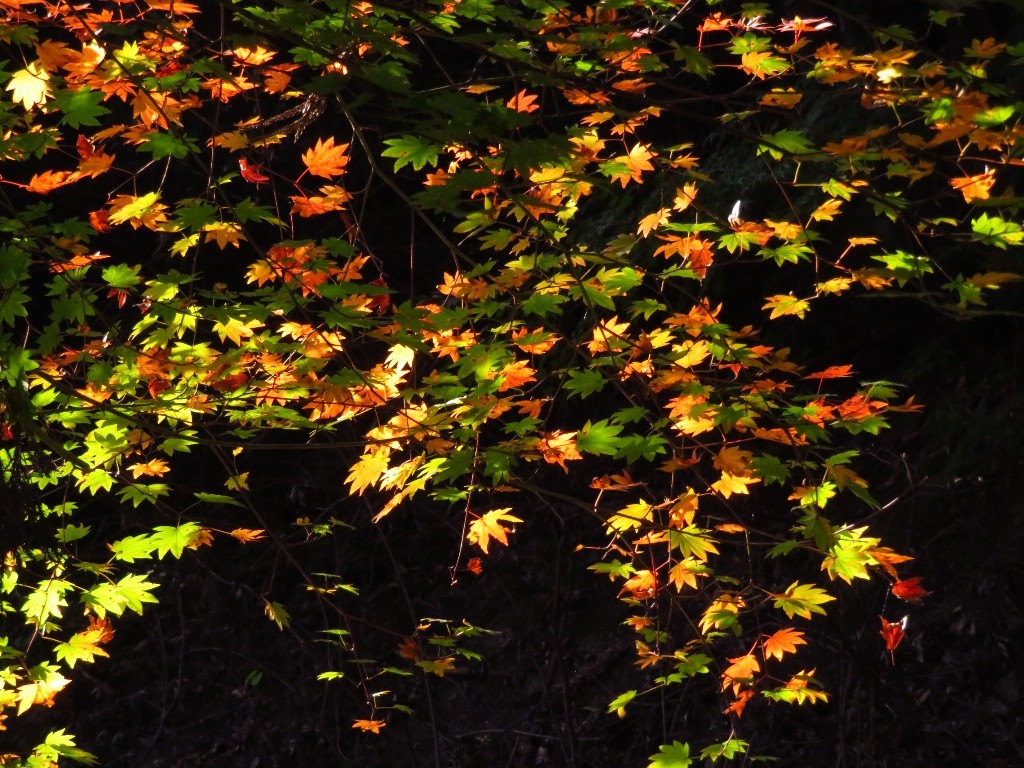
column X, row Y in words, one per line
column 893, row 634
column 909, row 590
column 251, row 171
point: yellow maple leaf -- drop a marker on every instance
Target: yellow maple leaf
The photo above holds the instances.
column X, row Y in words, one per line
column 235, row 329
column 608, row 335
column 685, row 195
column 733, row 460
column 40, row 692
column 30, row 86
column 366, row 471
column 730, row 484
column 232, row 140
column 489, row 526
column 827, row 210
column 224, row 233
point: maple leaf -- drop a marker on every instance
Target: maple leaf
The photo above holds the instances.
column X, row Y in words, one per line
column 975, row 187
column 40, row 692
column 736, row 707
column 732, row 459
column 47, row 181
column 782, row 642
column 685, row 574
column 783, row 304
column 489, row 525
column 729, row 484
column 832, row 372
column 325, row 159
column 251, row 171
column 802, row 600
column 909, row 590
column 740, row 673
column 367, row 471
column 674, row 755
column 80, row 64
column 29, row 86
column 513, row 375
column 224, row 233
column 524, row 101
column 373, row 726
column 439, row 667
column 641, row 585
column 52, row 54
column 235, row 329
column 893, row 634
column 558, row 448
column 761, row 64
column 246, row 535
column 652, row 221
column 154, row 468
column 332, row 199
column 145, row 211
column 685, row 195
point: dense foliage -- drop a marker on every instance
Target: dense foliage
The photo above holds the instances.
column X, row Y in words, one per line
column 473, row 254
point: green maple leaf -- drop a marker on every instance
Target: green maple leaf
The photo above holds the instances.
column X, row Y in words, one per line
column 598, row 438
column 674, row 755
column 80, row 107
column 411, row 150
column 173, row 539
column 802, row 600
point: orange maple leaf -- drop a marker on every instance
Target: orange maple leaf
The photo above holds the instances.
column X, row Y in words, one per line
column 513, row 375
column 246, row 535
column 740, row 673
column 643, row 584
column 524, row 101
column 974, row 187
column 489, row 526
column 559, row 447
column 652, row 221
column 326, row 159
column 888, row 559
column 373, row 726
column 832, row 372
column 637, row 161
column 736, row 708
column 47, row 181
column 782, row 642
